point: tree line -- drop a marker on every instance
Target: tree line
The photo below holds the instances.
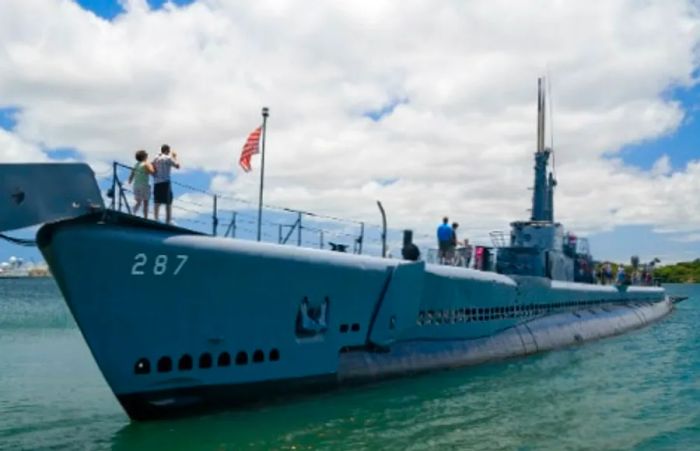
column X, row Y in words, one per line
column 683, row 272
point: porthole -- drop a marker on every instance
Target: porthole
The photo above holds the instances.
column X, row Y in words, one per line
column 185, row 363
column 343, row 328
column 355, row 327
column 165, row 364
column 142, row 366
column 224, row 359
column 274, row 355
column 242, row 358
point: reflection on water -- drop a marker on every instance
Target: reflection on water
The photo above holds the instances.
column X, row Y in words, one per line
column 637, row 391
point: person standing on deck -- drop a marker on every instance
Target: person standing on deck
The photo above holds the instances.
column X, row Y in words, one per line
column 467, row 252
column 444, row 237
column 621, row 278
column 162, row 190
column 139, row 177
column 454, row 243
column 607, row 273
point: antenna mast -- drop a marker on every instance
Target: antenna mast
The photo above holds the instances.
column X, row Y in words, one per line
column 542, row 196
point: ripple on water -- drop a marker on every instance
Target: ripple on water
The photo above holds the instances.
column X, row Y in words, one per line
column 636, row 391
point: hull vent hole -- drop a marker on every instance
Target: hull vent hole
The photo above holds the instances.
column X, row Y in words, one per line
column 205, row 360
column 143, row 366
column 258, row 356
column 185, row 363
column 224, row 359
column 165, row 365
column 242, row 358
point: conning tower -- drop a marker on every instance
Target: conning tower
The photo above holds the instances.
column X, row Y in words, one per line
column 537, row 247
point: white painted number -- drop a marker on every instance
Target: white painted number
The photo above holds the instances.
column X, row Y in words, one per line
column 183, row 260
column 160, row 264
column 139, row 261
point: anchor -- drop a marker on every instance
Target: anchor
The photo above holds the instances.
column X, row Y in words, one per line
column 18, row 196
column 312, row 321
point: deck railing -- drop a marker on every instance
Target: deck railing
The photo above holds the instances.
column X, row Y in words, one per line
column 205, row 211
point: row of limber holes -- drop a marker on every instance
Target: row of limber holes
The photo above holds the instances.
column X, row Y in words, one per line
column 491, row 313
column 345, row 328
column 206, row 361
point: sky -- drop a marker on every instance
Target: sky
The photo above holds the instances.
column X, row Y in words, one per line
column 428, row 106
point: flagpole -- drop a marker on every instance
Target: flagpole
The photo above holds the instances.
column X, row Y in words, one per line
column 265, row 114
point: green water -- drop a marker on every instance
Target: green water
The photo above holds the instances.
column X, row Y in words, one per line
column 637, row 391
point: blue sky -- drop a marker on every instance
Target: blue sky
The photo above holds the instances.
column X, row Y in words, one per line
column 108, row 9
column 681, row 146
column 8, row 117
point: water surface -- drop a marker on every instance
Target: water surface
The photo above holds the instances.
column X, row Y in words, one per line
column 637, row 391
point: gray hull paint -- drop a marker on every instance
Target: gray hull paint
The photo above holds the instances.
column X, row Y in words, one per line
column 230, row 298
column 543, row 334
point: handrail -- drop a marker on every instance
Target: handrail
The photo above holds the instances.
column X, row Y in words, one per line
column 198, row 209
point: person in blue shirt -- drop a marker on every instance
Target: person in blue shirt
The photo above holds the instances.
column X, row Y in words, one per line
column 444, row 237
column 621, row 279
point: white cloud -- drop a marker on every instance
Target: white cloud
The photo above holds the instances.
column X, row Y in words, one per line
column 15, row 150
column 691, row 238
column 662, row 166
column 461, row 144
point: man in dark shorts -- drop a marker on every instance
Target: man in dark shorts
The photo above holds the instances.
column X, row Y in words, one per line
column 162, row 190
column 444, row 236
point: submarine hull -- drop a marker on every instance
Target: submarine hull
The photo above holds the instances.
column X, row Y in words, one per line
column 181, row 323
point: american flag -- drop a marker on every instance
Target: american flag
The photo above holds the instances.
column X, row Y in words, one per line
column 250, row 148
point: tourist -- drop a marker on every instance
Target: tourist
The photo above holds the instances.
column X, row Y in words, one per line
column 636, row 278
column 139, row 178
column 620, row 278
column 162, row 190
column 467, row 252
column 607, row 273
column 444, row 236
column 457, row 259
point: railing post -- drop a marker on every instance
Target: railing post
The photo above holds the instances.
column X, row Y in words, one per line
column 114, row 183
column 381, row 210
column 362, row 236
column 123, row 198
column 215, row 218
column 121, row 194
column 279, row 233
column 231, row 229
column 299, row 231
column 321, row 238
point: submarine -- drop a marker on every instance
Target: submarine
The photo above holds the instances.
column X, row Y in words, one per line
column 181, row 323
